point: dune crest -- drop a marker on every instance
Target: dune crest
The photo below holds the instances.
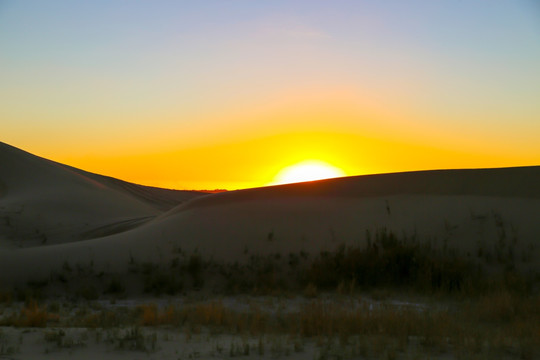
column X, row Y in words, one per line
column 43, row 202
column 122, row 222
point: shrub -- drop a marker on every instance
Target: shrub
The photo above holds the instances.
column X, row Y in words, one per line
column 115, row 287
column 88, row 292
column 389, row 261
column 194, row 268
column 162, row 281
column 32, row 315
column 6, row 297
column 134, row 339
column 310, row 291
column 149, row 314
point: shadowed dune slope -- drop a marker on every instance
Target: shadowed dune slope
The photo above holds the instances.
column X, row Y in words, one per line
column 464, row 208
column 467, row 210
column 44, row 202
column 520, row 182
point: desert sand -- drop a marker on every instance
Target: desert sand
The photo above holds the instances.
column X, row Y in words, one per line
column 52, row 215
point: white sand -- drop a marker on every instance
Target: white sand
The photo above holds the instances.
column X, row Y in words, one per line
column 464, row 208
column 43, row 202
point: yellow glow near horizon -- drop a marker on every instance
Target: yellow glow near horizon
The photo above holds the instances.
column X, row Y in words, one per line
column 227, row 95
column 255, row 162
column 308, row 170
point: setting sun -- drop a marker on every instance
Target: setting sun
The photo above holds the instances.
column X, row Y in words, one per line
column 309, row 170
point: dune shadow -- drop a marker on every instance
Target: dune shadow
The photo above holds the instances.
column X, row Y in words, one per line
column 115, row 227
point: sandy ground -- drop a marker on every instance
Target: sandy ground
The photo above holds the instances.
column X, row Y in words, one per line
column 172, row 342
column 169, row 344
column 45, row 203
column 185, row 342
column 52, row 215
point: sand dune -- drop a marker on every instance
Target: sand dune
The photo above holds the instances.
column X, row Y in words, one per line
column 43, row 202
column 464, row 209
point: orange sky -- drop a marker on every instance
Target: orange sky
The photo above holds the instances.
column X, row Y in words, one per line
column 225, row 95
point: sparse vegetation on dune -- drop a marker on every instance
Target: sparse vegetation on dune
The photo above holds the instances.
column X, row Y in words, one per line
column 30, row 315
column 502, row 324
column 388, row 261
column 481, row 305
column 385, row 261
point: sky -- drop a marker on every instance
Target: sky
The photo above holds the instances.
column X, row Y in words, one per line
column 226, row 93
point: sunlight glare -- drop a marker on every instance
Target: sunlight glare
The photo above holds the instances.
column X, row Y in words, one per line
column 309, row 170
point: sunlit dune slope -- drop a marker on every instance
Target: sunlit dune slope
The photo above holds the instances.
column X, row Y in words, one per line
column 44, row 202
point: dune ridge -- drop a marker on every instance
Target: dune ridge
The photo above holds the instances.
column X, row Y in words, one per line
column 43, row 202
column 520, row 182
column 464, row 208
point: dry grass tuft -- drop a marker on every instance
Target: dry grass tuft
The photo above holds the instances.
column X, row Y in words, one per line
column 34, row 316
column 6, row 297
column 31, row 315
column 149, row 314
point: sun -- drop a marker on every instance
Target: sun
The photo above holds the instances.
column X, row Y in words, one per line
column 308, row 170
